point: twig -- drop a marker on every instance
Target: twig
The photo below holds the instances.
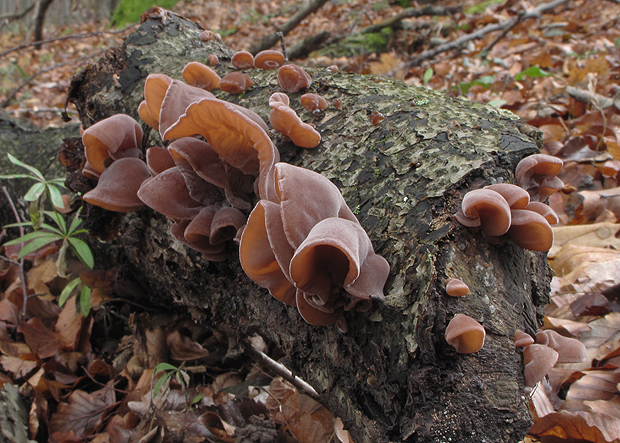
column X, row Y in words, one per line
column 268, row 363
column 502, row 34
column 21, row 261
column 17, row 15
column 12, row 95
column 269, row 40
column 459, row 42
column 66, row 37
column 409, row 13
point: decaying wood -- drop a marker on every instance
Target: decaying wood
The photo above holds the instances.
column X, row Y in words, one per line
column 14, row 416
column 395, row 20
column 392, row 376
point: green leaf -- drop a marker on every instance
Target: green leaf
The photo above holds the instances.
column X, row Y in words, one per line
column 82, row 251
column 28, row 237
column 55, row 196
column 74, row 225
column 85, row 300
column 36, row 244
column 163, row 366
column 34, row 212
column 17, row 225
column 32, row 169
column 61, row 261
column 34, row 192
column 60, row 181
column 160, row 383
column 14, row 176
column 198, row 398
column 66, row 292
column 428, row 74
column 52, row 229
column 532, row 71
column 59, row 220
column 183, row 378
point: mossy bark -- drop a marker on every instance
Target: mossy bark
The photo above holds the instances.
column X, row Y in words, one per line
column 391, row 377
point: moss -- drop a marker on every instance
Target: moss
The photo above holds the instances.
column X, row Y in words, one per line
column 128, row 11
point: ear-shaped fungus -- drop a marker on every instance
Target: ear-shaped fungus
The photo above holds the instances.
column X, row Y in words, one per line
column 465, row 334
column 293, row 78
column 456, row 288
column 286, row 121
column 538, row 360
column 530, row 230
column 570, row 350
column 242, row 60
column 237, row 138
column 117, row 189
column 487, row 209
column 268, row 59
column 308, row 252
column 236, row 82
column 313, row 103
column 201, row 76
column 105, row 140
column 158, row 159
column 537, row 174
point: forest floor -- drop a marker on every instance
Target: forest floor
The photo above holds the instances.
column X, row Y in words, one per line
column 559, row 71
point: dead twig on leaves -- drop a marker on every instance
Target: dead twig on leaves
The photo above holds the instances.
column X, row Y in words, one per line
column 410, row 13
column 268, row 363
column 269, row 40
column 508, row 24
column 12, row 95
column 66, row 37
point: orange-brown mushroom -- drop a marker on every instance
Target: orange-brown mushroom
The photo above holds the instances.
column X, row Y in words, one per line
column 236, row 82
column 206, row 35
column 158, row 159
column 117, row 189
column 106, row 138
column 516, row 197
column 530, row 230
column 213, row 60
column 269, row 59
column 201, row 76
column 570, row 350
column 456, row 288
column 465, row 334
column 545, row 210
column 286, row 121
column 537, row 174
column 487, row 209
column 293, row 78
column 242, row 60
column 538, row 360
column 522, row 339
column 313, row 103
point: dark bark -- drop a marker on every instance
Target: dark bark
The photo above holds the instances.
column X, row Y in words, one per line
column 14, row 417
column 39, row 20
column 391, row 377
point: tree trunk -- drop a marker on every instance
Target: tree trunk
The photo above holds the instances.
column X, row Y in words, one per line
column 392, row 376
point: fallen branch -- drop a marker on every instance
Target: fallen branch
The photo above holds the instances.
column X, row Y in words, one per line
column 269, row 40
column 307, row 45
column 591, row 98
column 12, row 95
column 409, row 13
column 17, row 15
column 66, row 37
column 459, row 42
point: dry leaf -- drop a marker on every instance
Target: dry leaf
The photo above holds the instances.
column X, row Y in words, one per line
column 601, row 235
column 82, row 415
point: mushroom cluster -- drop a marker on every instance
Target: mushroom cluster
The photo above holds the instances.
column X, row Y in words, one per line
column 311, row 252
column 549, row 349
column 506, row 209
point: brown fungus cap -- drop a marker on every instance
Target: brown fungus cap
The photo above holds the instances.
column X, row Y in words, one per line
column 313, row 103
column 487, row 209
column 456, row 288
column 530, row 230
column 286, row 121
column 516, row 197
column 522, row 339
column 269, row 59
column 117, row 189
column 158, row 159
column 242, row 60
column 545, row 210
column 237, row 138
column 145, row 115
column 293, row 78
column 538, row 360
column 465, row 334
column 179, row 96
column 201, row 76
column 109, row 136
column 570, row 350
column 155, row 88
column 236, row 82
column 200, row 243
column 537, row 174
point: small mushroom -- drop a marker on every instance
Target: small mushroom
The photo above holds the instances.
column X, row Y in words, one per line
column 456, row 288
column 286, row 121
column 537, row 174
column 522, row 339
column 530, row 230
column 570, row 350
column 269, row 59
column 538, row 360
column 106, row 138
column 206, row 35
column 516, row 197
column 236, row 82
column 213, row 60
column 313, row 103
column 465, row 334
column 242, row 60
column 545, row 210
column 200, row 76
column 487, row 209
column 117, row 189
column 292, row 78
